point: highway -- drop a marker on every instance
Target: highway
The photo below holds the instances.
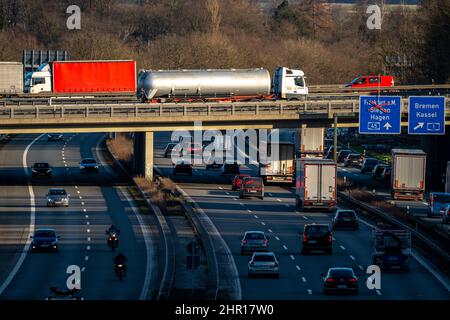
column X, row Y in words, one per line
column 300, row 276
column 97, row 201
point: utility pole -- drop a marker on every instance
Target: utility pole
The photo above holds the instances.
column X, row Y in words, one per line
column 335, row 118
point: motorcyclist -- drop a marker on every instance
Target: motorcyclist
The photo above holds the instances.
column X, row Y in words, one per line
column 120, row 259
column 112, row 229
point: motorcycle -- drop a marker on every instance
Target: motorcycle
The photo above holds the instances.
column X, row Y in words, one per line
column 113, row 241
column 121, row 270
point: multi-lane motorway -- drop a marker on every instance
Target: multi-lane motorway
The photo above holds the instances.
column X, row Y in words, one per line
column 98, row 200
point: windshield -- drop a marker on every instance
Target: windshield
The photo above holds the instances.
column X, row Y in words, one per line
column 41, row 165
column 441, row 198
column 264, row 257
column 371, row 161
column 88, row 161
column 346, row 273
column 253, row 183
column 44, row 234
column 353, row 156
column 346, row 214
column 57, row 192
column 254, row 236
column 317, row 230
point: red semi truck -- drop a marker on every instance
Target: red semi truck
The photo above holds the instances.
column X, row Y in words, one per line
column 75, row 77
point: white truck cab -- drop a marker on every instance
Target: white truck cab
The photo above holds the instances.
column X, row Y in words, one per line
column 289, row 84
column 41, row 80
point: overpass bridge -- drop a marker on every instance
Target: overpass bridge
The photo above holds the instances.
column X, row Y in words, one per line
column 144, row 119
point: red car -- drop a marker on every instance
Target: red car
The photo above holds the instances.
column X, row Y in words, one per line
column 237, row 181
column 372, row 81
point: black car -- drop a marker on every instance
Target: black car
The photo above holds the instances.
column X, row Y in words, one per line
column 353, row 160
column 41, row 169
column 44, row 239
column 378, row 170
column 183, row 168
column 340, row 280
column 368, row 165
column 343, row 154
column 231, row 168
column 55, row 137
column 168, row 150
column 317, row 237
column 345, row 219
column 252, row 187
column 330, row 152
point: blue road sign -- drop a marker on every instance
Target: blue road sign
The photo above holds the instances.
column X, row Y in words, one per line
column 426, row 115
column 379, row 115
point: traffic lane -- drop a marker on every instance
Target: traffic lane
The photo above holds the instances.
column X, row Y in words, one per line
column 40, row 271
column 104, row 204
column 14, row 203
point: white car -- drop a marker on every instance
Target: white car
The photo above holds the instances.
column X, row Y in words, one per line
column 263, row 263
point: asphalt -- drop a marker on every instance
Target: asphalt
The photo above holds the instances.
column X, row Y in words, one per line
column 276, row 215
column 97, row 201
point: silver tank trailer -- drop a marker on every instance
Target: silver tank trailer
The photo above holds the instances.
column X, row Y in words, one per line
column 203, row 83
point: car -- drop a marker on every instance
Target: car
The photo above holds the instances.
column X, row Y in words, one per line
column 317, row 237
column 340, row 279
column 371, row 81
column 368, row 164
column 183, row 168
column 215, row 165
column 378, row 170
column 345, row 219
column 237, row 181
column 55, row 137
column 353, row 160
column 252, row 187
column 44, row 239
column 168, row 149
column 330, row 152
column 386, row 174
column 263, row 263
column 446, row 215
column 57, row 197
column 343, row 154
column 231, row 167
column 88, row 165
column 41, row 169
column 254, row 241
column 439, row 201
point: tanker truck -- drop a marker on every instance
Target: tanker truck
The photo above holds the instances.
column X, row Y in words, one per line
column 221, row 85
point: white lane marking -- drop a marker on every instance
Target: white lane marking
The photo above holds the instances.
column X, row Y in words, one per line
column 279, row 200
column 378, row 292
column 303, row 279
column 292, row 257
column 334, row 239
column 31, row 226
column 269, row 194
column 342, row 247
column 81, row 197
column 78, row 191
column 235, row 199
column 89, row 239
column 63, row 158
column 86, row 258
column 361, row 267
column 278, row 239
column 305, row 217
column 86, row 216
column 88, row 223
column 84, row 210
column 287, row 205
column 256, row 217
column 83, row 269
column 88, row 248
column 65, row 164
column 263, row 223
column 352, row 257
column 241, row 204
column 227, row 192
column 309, row 291
column 88, row 230
column 76, row 187
column 270, row 230
column 284, row 247
column 220, row 188
column 298, row 267
column 249, row 211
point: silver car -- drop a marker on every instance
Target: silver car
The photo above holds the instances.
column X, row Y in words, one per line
column 263, row 263
column 254, row 241
column 88, row 165
column 57, row 197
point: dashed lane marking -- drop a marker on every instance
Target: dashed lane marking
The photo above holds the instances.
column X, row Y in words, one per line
column 284, row 247
column 270, row 230
column 256, row 217
column 278, row 239
column 309, row 291
column 249, row 211
column 88, row 248
column 360, row 267
column 263, row 223
column 86, row 258
column 298, row 267
column 342, row 247
column 305, row 217
column 378, row 292
column 279, row 200
column 292, row 257
column 303, row 279
column 352, row 257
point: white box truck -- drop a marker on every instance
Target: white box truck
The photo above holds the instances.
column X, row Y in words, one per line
column 315, row 183
column 408, row 174
column 11, row 78
column 311, row 142
column 280, row 163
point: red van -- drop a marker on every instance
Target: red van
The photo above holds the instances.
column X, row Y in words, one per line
column 372, row 81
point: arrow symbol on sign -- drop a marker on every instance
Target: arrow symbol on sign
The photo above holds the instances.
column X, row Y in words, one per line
column 387, row 126
column 419, row 125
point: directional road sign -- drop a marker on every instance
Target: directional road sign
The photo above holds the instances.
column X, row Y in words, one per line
column 426, row 115
column 379, row 115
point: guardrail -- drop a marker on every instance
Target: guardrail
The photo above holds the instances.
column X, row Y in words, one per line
column 188, row 109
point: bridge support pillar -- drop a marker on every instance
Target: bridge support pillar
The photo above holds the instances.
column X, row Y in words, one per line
column 143, row 154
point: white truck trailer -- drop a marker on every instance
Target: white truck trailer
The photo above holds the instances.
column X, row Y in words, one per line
column 315, row 183
column 11, row 78
column 408, row 174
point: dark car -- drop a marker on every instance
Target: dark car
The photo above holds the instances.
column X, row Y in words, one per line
column 215, row 164
column 88, row 165
column 183, row 168
column 317, row 237
column 345, row 219
column 353, row 160
column 368, row 165
column 231, row 168
column 237, row 181
column 340, row 280
column 330, row 152
column 252, row 187
column 343, row 154
column 168, row 149
column 55, row 137
column 254, row 241
column 41, row 169
column 446, row 215
column 378, row 170
column 44, row 239
column 386, row 174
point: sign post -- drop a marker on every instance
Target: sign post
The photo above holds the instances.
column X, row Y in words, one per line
column 379, row 115
column 426, row 115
